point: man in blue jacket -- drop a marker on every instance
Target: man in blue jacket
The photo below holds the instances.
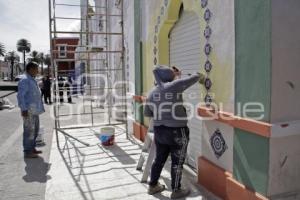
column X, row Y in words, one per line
column 31, row 105
column 171, row 134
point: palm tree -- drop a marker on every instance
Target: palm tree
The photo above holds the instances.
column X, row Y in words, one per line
column 34, row 57
column 2, row 50
column 13, row 58
column 42, row 58
column 23, row 46
column 47, row 61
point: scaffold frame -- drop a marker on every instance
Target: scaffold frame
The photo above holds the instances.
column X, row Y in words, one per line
column 87, row 50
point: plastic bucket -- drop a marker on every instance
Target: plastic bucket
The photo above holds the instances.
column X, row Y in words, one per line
column 107, row 136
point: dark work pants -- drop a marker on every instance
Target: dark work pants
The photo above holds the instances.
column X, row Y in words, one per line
column 42, row 93
column 47, row 96
column 174, row 141
column 61, row 96
column 69, row 95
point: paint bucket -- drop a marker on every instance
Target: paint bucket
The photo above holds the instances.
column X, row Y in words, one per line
column 107, row 136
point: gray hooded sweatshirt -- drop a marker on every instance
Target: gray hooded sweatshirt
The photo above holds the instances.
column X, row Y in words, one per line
column 165, row 102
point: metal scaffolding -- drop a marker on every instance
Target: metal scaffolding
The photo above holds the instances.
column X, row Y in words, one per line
column 103, row 63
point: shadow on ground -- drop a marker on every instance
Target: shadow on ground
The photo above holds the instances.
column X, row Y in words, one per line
column 99, row 172
column 36, row 170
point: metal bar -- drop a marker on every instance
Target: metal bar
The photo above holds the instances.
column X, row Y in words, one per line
column 88, row 54
column 77, row 18
column 75, row 5
column 70, row 45
column 107, row 57
column 96, row 14
column 81, row 32
column 75, row 114
column 51, row 48
column 66, row 70
column 96, row 70
column 90, row 59
column 89, row 126
column 70, row 136
column 96, row 88
column 123, row 65
column 73, row 52
column 73, row 18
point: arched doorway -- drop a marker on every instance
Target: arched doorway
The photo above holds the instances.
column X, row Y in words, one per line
column 185, row 51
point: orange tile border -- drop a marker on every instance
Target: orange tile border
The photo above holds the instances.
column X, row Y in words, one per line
column 212, row 177
column 139, row 99
column 139, row 131
column 257, row 127
column 222, row 184
column 237, row 191
column 144, row 131
column 253, row 126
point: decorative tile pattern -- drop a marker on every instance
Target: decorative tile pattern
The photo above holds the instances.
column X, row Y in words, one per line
column 207, row 15
column 204, row 3
column 162, row 10
column 208, row 100
column 207, row 50
column 155, row 50
column 166, row 2
column 155, row 61
column 218, row 143
column 159, row 20
column 207, row 83
column 207, row 32
column 208, row 66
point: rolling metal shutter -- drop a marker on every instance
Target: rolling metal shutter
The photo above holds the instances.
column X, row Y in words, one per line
column 185, row 49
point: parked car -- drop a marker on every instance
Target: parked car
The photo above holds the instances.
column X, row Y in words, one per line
column 17, row 78
column 5, row 79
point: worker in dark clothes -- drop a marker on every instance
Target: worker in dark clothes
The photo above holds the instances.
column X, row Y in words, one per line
column 41, row 86
column 47, row 90
column 61, row 89
column 171, row 134
column 68, row 86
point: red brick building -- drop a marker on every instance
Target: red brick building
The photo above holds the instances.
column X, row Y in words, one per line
column 64, row 48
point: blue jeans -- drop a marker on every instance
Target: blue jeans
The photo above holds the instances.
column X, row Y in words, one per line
column 31, row 126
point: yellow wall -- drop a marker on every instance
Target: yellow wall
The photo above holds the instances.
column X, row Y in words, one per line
column 222, row 42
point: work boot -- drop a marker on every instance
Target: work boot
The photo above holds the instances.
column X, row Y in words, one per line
column 180, row 193
column 31, row 155
column 36, row 151
column 156, row 189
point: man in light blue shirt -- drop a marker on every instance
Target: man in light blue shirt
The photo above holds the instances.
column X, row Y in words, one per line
column 31, row 105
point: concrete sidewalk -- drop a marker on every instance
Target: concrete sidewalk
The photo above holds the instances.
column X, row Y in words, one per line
column 22, row 179
column 96, row 172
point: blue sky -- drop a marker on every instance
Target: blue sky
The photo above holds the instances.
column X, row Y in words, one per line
column 29, row 19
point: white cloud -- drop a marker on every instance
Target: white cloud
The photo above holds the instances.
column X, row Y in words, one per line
column 24, row 19
column 29, row 19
